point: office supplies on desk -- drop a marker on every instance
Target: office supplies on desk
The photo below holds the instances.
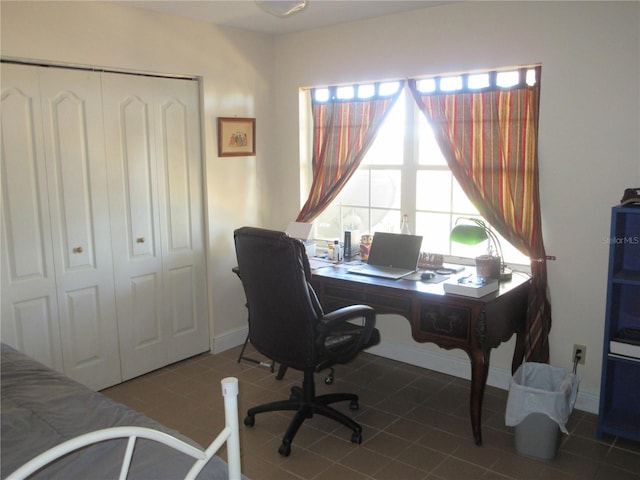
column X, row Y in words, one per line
column 391, row 256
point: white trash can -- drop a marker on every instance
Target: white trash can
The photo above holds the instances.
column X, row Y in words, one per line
column 541, row 398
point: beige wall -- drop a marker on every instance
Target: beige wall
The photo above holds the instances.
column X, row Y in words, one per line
column 589, row 124
column 590, row 118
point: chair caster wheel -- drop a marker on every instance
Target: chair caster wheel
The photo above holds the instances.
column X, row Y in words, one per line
column 284, row 450
column 354, row 405
column 250, row 420
column 296, row 394
column 328, row 380
column 356, row 438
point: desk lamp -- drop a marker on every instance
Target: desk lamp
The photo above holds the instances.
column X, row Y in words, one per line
column 488, row 265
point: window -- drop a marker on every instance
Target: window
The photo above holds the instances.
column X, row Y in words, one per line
column 404, row 172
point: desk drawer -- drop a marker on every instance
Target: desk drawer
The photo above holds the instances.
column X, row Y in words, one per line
column 445, row 321
column 334, row 297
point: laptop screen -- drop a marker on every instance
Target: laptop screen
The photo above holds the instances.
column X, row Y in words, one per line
column 395, row 250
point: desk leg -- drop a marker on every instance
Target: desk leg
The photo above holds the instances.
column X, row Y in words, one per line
column 518, row 351
column 479, row 372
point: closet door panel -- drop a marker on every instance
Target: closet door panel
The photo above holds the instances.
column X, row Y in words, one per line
column 139, row 177
column 152, row 127
column 29, row 303
column 74, row 145
column 147, row 325
column 131, row 154
column 34, row 330
column 183, row 305
column 182, row 227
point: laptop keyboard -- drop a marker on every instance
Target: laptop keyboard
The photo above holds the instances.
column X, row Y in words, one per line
column 386, row 272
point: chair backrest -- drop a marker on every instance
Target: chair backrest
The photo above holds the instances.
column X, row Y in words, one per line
column 283, row 309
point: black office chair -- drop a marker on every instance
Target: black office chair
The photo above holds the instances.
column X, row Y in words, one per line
column 283, row 368
column 289, row 326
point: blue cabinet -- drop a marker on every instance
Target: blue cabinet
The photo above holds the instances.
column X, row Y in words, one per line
column 619, row 413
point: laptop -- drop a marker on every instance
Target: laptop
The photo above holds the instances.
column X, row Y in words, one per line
column 392, row 256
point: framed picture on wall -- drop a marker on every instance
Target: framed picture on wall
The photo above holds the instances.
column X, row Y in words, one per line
column 236, row 137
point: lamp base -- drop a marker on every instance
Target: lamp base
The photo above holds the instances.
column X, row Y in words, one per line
column 506, row 273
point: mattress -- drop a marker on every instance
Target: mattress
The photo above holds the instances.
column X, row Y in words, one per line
column 42, row 408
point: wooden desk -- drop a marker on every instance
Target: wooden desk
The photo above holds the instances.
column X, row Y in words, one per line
column 475, row 325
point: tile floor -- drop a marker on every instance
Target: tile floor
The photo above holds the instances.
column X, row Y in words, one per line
column 415, row 425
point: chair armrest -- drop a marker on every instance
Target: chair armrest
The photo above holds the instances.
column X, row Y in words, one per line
column 337, row 323
column 330, row 320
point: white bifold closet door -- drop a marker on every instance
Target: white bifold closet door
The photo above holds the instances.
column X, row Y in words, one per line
column 154, row 162
column 58, row 301
column 102, row 224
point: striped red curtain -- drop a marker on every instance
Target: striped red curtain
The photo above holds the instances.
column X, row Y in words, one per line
column 489, row 138
column 343, row 131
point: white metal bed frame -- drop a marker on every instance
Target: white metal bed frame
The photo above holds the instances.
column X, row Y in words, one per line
column 229, row 434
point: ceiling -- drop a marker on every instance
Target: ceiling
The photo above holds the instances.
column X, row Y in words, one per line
column 247, row 15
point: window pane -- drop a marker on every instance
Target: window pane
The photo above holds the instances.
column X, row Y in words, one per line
column 507, row 79
column 433, row 190
column 345, row 92
column 332, row 223
column 511, row 253
column 328, row 222
column 434, row 228
column 388, row 147
column 385, row 189
column 449, row 84
column 426, row 85
column 389, row 88
column 478, row 81
column 355, row 219
column 385, row 221
column 322, row 94
column 366, row 91
column 429, row 152
column 468, row 251
column 356, row 191
column 460, row 202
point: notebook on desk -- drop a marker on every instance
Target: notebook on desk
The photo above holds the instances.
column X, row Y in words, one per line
column 392, row 256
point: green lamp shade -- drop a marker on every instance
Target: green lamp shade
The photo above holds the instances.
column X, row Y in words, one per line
column 468, row 234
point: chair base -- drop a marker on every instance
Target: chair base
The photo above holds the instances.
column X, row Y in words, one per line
column 304, row 402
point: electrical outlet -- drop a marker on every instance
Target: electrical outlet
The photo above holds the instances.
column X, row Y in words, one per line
column 581, row 355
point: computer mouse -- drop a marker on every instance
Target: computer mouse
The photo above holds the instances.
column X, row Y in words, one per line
column 427, row 276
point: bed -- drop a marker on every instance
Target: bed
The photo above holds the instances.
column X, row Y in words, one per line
column 46, row 415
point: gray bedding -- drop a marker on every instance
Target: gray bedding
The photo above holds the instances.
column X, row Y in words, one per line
column 42, row 408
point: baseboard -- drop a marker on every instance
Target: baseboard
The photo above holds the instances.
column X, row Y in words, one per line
column 433, row 360
column 228, row 340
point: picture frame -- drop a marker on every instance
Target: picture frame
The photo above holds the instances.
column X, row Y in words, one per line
column 236, row 137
